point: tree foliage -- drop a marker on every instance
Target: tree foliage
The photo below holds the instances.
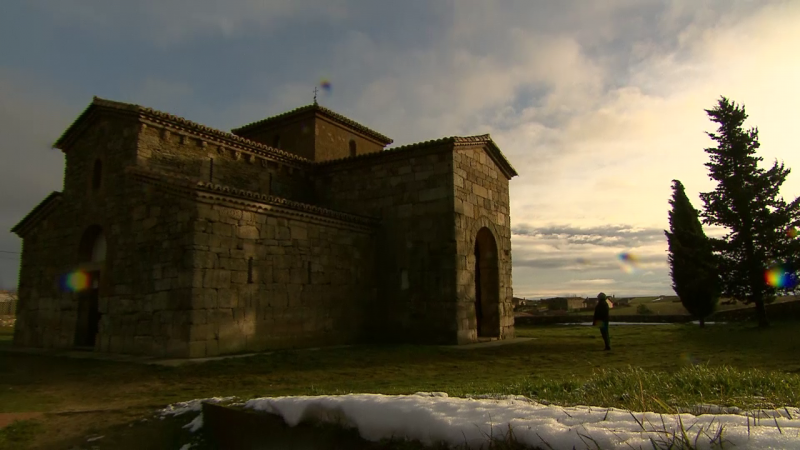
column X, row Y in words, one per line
column 691, row 258
column 746, row 203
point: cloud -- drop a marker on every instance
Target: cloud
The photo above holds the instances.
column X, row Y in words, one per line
column 168, row 23
column 617, row 236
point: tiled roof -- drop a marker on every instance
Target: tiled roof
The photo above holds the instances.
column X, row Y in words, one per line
column 185, row 185
column 180, row 121
column 256, row 147
column 322, row 110
column 42, row 210
column 456, row 141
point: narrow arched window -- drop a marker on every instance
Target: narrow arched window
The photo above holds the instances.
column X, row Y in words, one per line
column 276, row 141
column 352, row 147
column 97, row 175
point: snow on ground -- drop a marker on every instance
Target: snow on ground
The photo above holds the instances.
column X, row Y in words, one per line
column 434, row 417
column 591, row 324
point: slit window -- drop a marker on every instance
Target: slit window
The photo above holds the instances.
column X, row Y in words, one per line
column 352, row 147
column 97, row 175
column 276, row 141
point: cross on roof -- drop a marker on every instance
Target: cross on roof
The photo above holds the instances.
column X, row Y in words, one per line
column 315, row 95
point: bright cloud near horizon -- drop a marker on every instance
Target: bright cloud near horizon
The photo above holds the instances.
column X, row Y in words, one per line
column 598, row 105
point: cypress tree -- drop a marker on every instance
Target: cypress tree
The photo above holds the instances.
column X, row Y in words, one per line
column 746, row 203
column 691, row 258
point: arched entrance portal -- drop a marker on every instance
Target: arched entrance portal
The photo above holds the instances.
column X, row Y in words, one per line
column 92, row 255
column 487, row 285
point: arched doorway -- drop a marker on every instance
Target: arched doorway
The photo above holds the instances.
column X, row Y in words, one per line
column 487, row 285
column 92, row 256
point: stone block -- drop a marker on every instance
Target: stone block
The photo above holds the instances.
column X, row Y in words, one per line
column 298, row 231
column 216, row 278
column 226, row 298
column 198, row 316
column 282, row 233
column 223, row 229
column 239, row 277
column 176, row 348
column 200, row 332
column 197, row 349
column 248, row 232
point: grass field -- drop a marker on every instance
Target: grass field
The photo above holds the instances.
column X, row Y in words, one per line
column 680, row 365
column 664, row 307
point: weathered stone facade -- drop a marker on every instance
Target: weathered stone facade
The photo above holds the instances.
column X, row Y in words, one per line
column 198, row 242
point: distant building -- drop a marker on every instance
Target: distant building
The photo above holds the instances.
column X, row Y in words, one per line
column 565, row 304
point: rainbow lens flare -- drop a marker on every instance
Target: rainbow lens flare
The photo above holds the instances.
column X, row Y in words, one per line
column 628, row 262
column 75, row 281
column 325, row 85
column 688, row 359
column 792, row 232
column 781, row 276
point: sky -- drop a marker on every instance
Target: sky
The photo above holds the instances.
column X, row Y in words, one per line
column 432, row 417
column 597, row 105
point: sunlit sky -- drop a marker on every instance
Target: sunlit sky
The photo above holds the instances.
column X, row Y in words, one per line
column 598, row 105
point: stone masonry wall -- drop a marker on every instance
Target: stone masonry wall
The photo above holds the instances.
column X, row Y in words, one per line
column 333, row 141
column 412, row 193
column 295, row 135
column 272, row 280
column 145, row 306
column 481, row 200
column 47, row 315
column 179, row 154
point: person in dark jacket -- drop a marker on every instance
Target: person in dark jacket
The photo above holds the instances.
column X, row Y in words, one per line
column 601, row 318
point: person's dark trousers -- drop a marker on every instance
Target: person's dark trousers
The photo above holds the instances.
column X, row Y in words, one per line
column 606, row 338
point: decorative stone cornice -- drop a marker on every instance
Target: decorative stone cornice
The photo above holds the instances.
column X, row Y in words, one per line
column 178, row 124
column 39, row 213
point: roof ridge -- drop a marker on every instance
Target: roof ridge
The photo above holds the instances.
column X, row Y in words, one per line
column 40, row 211
column 316, row 107
column 132, row 107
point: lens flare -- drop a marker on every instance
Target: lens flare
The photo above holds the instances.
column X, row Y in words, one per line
column 792, row 232
column 781, row 276
column 628, row 262
column 74, row 281
column 688, row 359
column 325, row 85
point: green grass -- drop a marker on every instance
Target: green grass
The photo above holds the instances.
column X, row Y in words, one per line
column 19, row 434
column 652, row 367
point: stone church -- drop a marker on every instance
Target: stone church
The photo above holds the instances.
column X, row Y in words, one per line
column 173, row 239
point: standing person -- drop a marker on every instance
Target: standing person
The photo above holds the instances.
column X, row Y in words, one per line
column 601, row 318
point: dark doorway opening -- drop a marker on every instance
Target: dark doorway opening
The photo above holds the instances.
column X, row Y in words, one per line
column 92, row 256
column 487, row 285
column 88, row 313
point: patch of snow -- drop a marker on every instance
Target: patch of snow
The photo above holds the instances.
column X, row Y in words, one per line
column 434, row 417
column 589, row 324
column 97, row 438
column 185, row 447
column 195, row 424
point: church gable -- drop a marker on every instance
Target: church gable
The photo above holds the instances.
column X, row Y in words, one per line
column 315, row 133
